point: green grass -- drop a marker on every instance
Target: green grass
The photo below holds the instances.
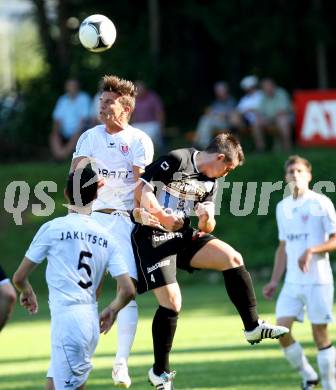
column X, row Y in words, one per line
column 209, row 350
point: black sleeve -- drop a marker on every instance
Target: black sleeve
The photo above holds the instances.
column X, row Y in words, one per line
column 162, row 170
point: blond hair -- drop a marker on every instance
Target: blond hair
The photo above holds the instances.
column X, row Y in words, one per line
column 296, row 159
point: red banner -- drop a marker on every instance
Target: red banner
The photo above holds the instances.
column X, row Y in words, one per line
column 315, row 117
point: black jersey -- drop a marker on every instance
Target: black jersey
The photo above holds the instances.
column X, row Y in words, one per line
column 177, row 183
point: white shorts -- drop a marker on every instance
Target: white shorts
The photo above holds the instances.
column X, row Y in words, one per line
column 317, row 299
column 120, row 227
column 74, row 338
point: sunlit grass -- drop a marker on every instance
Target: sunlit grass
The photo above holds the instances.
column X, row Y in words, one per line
column 209, row 352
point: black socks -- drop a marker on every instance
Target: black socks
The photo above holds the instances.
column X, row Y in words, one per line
column 240, row 290
column 163, row 331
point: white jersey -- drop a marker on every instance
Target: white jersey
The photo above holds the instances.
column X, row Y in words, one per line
column 302, row 223
column 114, row 156
column 78, row 252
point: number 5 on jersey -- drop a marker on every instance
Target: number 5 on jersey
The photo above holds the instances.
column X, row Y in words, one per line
column 86, row 267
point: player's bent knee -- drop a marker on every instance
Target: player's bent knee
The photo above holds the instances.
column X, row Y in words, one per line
column 238, row 259
column 175, row 304
column 235, row 260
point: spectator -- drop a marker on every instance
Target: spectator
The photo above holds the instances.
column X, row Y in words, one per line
column 217, row 116
column 246, row 115
column 275, row 113
column 148, row 114
column 70, row 118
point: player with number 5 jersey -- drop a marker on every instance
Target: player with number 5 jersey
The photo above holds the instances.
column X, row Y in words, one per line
column 79, row 251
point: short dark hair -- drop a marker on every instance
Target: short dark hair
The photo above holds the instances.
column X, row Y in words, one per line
column 125, row 88
column 82, row 186
column 295, row 159
column 227, row 144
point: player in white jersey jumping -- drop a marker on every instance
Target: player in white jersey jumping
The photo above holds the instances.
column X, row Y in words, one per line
column 79, row 251
column 119, row 153
column 307, row 232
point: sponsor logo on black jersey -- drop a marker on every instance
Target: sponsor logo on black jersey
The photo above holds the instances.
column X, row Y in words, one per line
column 166, row 236
column 188, row 189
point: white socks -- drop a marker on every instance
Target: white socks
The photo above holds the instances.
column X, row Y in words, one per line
column 127, row 321
column 296, row 358
column 326, row 362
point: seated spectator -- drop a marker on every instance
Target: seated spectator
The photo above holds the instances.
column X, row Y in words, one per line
column 148, row 114
column 246, row 114
column 217, row 116
column 70, row 119
column 276, row 113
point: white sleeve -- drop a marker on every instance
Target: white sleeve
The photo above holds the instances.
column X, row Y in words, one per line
column 39, row 247
column 143, row 152
column 281, row 229
column 116, row 265
column 83, row 147
column 329, row 217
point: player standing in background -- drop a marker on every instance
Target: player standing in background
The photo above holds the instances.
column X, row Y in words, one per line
column 307, row 232
column 79, row 251
column 7, row 298
column 172, row 188
column 119, row 153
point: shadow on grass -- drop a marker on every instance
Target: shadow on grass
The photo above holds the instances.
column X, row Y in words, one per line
column 265, row 373
column 266, row 346
column 201, row 297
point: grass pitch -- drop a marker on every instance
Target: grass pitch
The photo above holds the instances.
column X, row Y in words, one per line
column 209, row 352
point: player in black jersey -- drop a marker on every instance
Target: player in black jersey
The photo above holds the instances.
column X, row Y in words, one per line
column 172, row 188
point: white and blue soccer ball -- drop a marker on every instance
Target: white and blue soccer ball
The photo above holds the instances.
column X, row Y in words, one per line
column 97, row 33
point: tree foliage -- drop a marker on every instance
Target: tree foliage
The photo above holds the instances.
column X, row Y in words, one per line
column 200, row 41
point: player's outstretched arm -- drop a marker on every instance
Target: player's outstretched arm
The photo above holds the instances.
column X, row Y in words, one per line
column 140, row 215
column 305, row 258
column 146, row 198
column 125, row 293
column 279, row 267
column 20, row 279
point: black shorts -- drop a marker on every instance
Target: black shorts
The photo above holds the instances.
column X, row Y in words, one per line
column 158, row 254
column 3, row 275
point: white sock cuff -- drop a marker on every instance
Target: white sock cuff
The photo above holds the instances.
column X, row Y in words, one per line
column 132, row 303
column 330, row 351
column 296, row 346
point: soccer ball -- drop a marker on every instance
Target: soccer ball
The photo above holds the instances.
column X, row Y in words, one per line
column 97, row 33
